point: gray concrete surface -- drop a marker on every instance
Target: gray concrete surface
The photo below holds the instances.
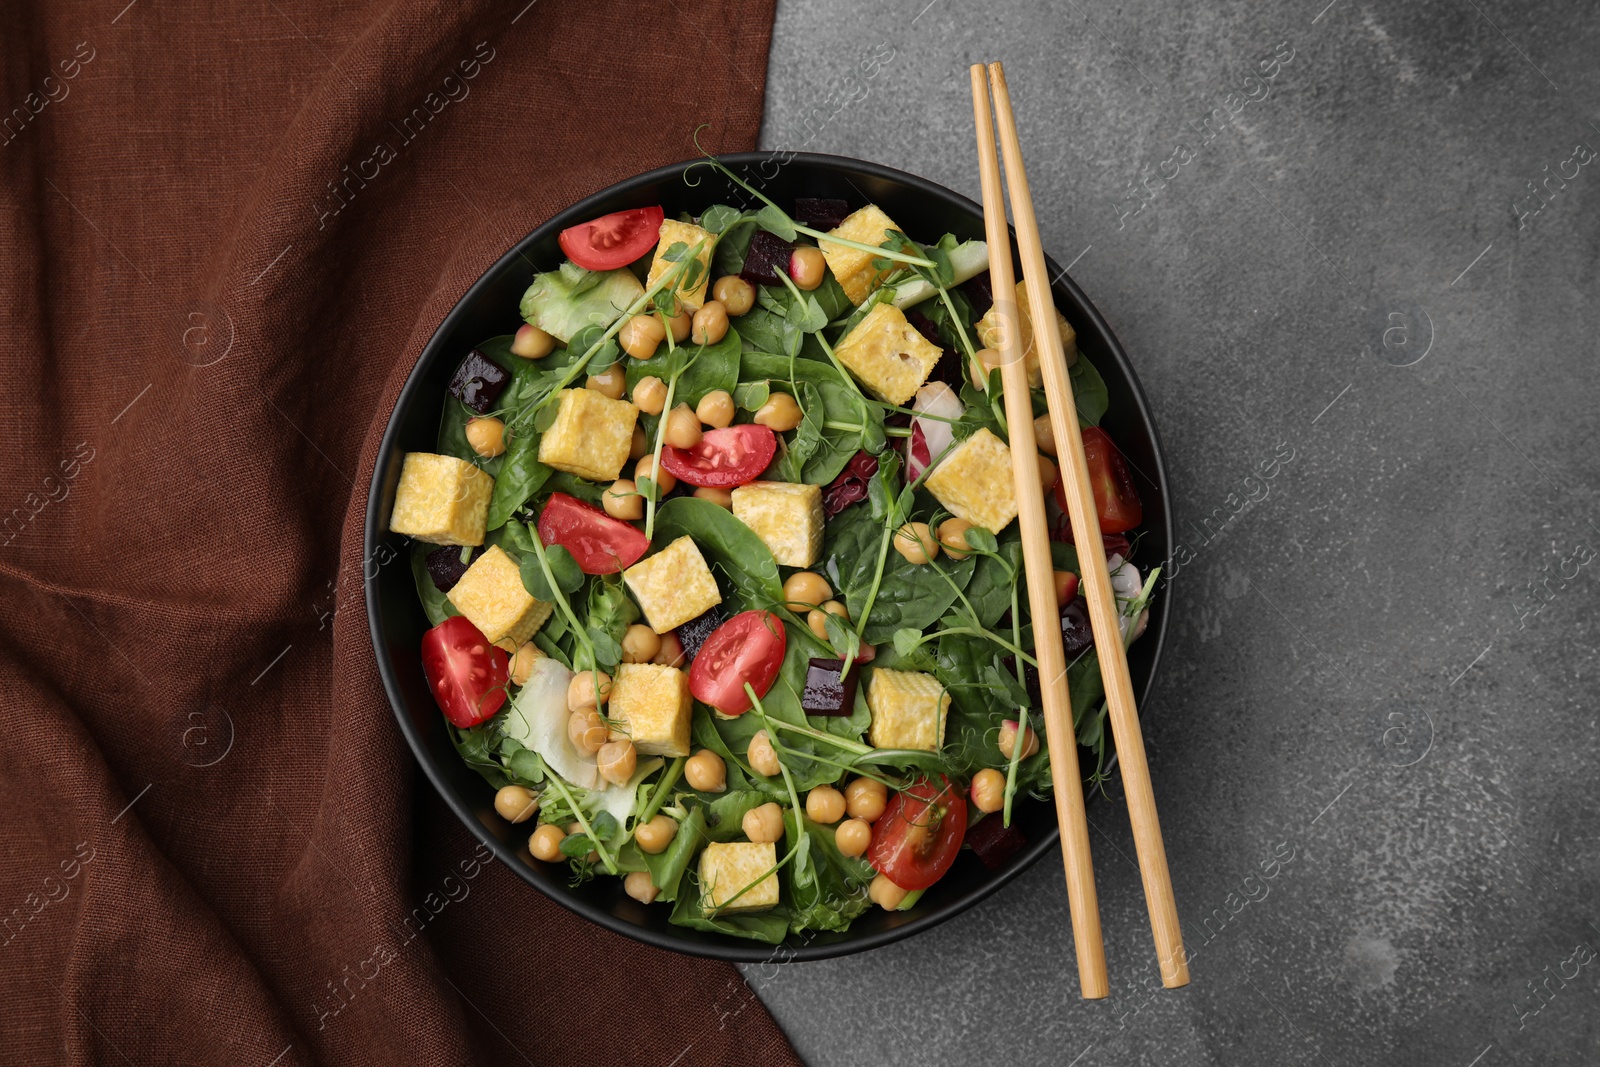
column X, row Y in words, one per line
column 1383, row 670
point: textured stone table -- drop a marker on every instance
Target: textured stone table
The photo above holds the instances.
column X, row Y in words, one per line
column 1374, row 738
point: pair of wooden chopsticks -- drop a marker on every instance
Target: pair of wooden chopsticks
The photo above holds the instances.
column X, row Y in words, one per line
column 1096, row 579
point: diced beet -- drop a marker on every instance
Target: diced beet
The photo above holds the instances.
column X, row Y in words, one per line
column 820, row 214
column 445, row 566
column 993, row 842
column 1030, row 673
column 850, row 487
column 828, row 690
column 979, row 292
column 693, row 633
column 479, row 381
column 767, row 257
column 1076, row 634
column 925, row 326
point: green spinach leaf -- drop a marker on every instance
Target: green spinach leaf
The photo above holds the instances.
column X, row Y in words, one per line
column 744, row 561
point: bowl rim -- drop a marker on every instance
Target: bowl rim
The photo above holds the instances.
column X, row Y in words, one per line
column 710, row 945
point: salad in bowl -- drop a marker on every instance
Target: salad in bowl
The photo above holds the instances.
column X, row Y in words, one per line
column 719, row 558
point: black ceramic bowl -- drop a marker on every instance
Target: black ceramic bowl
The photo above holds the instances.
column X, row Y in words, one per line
column 925, row 210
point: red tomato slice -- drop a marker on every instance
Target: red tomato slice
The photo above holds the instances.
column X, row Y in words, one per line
column 747, row 648
column 600, row 544
column 467, row 674
column 1116, row 500
column 915, row 840
column 612, row 241
column 724, row 458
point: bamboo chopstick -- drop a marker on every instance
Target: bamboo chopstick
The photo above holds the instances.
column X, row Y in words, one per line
column 1059, row 733
column 1096, row 580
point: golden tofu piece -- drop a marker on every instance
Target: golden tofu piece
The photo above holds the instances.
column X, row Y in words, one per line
column 673, row 586
column 689, row 297
column 492, row 597
column 786, row 516
column 728, row 867
column 590, row 436
column 653, row 700
column 975, row 482
column 908, row 710
column 990, row 333
column 852, row 267
column 887, row 355
column 442, row 500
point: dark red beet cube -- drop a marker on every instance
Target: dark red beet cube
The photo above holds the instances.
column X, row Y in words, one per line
column 979, row 293
column 693, row 633
column 925, row 326
column 994, row 843
column 820, row 214
column 1077, row 636
column 829, row 691
column 479, row 381
column 445, row 566
column 767, row 257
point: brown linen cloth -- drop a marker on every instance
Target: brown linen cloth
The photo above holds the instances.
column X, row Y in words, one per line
column 226, row 234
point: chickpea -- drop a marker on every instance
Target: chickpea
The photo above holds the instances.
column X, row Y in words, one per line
column 817, row 620
column 989, row 359
column 680, row 325
column 671, row 654
column 487, row 436
column 716, row 408
column 953, row 538
column 807, row 267
column 735, row 294
column 705, row 772
column 665, row 480
column 1008, row 739
column 779, row 412
column 587, row 731
column 988, row 790
column 885, row 893
column 806, row 587
column 610, row 382
column 683, row 427
column 640, row 443
column 916, row 543
column 865, row 798
column 834, row 607
column 522, row 661
column 640, row 644
column 1048, row 474
column 825, row 804
column 710, row 323
column 1044, row 434
column 762, row 756
column 622, row 500
column 654, row 836
column 582, row 690
column 616, row 761
column 764, row 823
column 532, row 342
column 638, row 885
column 545, row 844
column 516, row 803
column 650, row 395
column 1066, row 587
column 722, row 498
column 853, row 836
column 641, row 335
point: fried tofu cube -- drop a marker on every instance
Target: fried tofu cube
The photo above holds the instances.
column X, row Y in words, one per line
column 673, row 586
column 591, row 435
column 786, row 516
column 442, row 500
column 728, row 867
column 887, row 355
column 653, row 701
column 492, row 597
column 974, row 482
column 908, row 710
column 690, row 297
column 990, row 333
column 852, row 267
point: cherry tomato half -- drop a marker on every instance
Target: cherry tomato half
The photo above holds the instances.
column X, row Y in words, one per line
column 747, row 648
column 724, row 458
column 467, row 674
column 917, row 837
column 1116, row 500
column 599, row 543
column 612, row 241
